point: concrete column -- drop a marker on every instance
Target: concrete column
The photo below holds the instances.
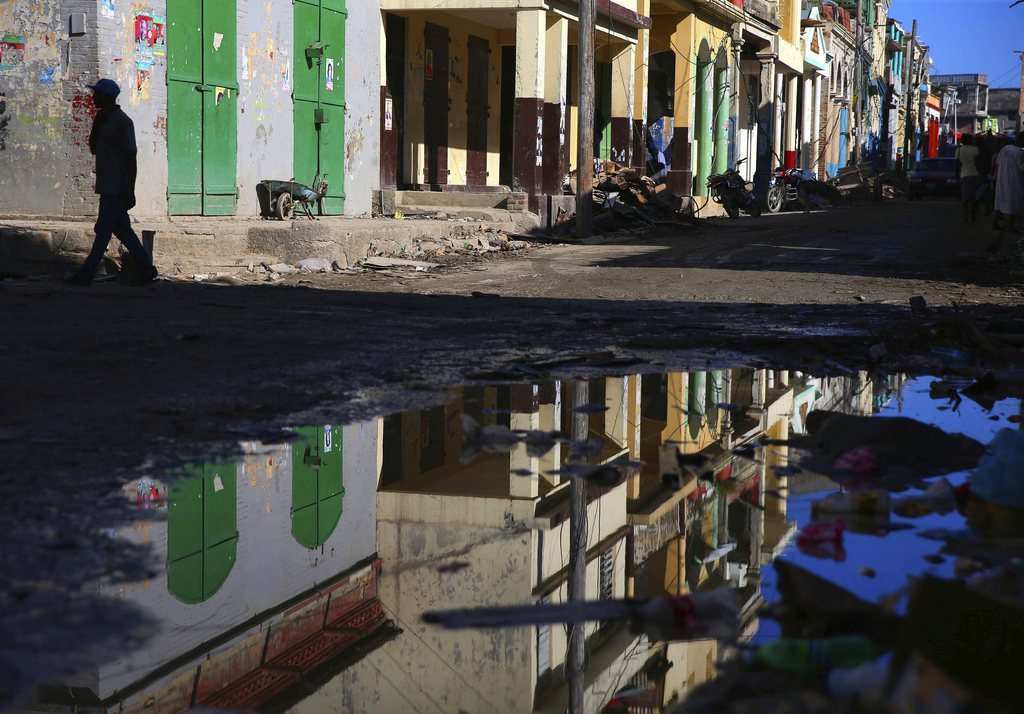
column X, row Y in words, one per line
column 556, row 138
column 790, row 138
column 623, row 66
column 816, row 127
column 779, row 100
column 735, row 101
column 766, row 126
column 680, row 177
column 722, row 112
column 528, row 132
column 640, row 64
column 702, row 126
column 806, row 114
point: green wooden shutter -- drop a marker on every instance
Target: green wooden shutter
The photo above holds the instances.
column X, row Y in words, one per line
column 319, row 112
column 220, row 104
column 202, row 535
column 317, row 484
column 184, row 107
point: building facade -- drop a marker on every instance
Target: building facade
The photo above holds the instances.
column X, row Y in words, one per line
column 223, row 95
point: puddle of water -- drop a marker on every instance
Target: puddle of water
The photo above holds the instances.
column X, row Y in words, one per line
column 296, row 577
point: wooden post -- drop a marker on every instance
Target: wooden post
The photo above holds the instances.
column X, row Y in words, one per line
column 585, row 128
column 909, row 93
column 576, row 656
column 858, row 83
column 1020, row 109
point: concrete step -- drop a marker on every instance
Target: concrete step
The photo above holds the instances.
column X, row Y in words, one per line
column 439, row 200
column 489, row 215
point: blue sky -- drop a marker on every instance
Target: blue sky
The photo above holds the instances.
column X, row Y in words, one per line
column 968, row 36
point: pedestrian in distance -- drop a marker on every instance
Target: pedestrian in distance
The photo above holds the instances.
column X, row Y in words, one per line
column 970, row 177
column 112, row 142
column 1009, row 186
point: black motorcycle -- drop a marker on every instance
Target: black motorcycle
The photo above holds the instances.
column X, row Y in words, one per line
column 734, row 193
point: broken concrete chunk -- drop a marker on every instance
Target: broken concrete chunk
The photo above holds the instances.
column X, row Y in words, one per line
column 282, row 268
column 390, row 263
column 315, row 265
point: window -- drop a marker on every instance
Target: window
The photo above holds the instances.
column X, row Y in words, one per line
column 607, row 588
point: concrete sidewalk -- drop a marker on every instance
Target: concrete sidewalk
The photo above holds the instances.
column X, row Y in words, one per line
column 187, row 245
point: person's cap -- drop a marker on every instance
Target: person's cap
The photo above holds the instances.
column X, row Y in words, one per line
column 106, row 86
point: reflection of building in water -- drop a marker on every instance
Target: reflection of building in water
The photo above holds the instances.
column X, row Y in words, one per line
column 270, row 574
column 729, row 527
column 511, row 531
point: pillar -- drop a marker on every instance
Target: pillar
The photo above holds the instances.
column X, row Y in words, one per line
column 735, row 102
column 680, row 177
column 806, row 113
column 623, row 65
column 702, row 126
column 556, row 118
column 790, row 138
column 640, row 63
column 766, row 125
column 816, row 145
column 722, row 112
column 528, row 126
column 779, row 100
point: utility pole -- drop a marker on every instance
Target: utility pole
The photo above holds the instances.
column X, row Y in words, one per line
column 576, row 656
column 858, row 79
column 910, row 93
column 1020, row 108
column 585, row 124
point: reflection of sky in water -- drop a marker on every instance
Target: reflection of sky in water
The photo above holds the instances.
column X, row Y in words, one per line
column 899, row 553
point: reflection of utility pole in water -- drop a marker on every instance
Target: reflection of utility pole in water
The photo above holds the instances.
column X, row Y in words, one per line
column 578, row 549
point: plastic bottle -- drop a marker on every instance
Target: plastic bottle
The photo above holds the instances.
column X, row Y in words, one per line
column 814, row 658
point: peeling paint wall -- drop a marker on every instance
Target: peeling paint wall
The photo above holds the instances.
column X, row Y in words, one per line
column 266, row 138
column 33, row 53
column 140, row 68
column 362, row 99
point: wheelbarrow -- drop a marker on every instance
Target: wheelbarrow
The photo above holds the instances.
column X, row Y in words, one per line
column 279, row 199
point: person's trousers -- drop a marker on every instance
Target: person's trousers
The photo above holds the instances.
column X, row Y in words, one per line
column 113, row 220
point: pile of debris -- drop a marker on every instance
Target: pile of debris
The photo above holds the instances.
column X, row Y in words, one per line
column 622, row 192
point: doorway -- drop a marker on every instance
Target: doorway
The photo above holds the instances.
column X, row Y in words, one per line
column 319, row 98
column 477, row 111
column 202, row 101
column 435, row 106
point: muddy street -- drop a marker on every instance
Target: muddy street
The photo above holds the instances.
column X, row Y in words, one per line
column 115, row 385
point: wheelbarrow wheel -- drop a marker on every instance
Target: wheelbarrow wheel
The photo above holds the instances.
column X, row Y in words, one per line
column 284, row 206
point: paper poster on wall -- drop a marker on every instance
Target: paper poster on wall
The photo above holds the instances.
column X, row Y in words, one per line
column 329, row 76
column 159, row 35
column 12, row 52
column 220, row 94
column 107, row 9
column 389, row 106
column 428, row 66
column 328, row 438
column 218, row 40
column 145, row 34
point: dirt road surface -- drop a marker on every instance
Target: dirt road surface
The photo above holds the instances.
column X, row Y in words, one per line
column 111, row 382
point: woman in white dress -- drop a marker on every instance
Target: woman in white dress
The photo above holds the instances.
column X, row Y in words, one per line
column 1010, row 184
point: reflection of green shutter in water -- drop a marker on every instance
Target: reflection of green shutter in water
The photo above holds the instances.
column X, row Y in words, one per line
column 202, row 535
column 317, row 484
column 202, row 97
column 319, row 97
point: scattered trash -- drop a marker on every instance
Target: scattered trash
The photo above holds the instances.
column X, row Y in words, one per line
column 823, row 539
column 939, row 497
column 862, row 503
column 814, row 658
column 392, row 263
column 998, row 478
column 315, row 265
column 281, row 268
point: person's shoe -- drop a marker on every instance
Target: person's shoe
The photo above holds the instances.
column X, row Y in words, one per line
column 79, row 280
column 147, row 276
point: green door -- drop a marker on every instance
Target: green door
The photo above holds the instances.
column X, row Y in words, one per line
column 202, row 535
column 317, row 484
column 319, row 98
column 202, row 100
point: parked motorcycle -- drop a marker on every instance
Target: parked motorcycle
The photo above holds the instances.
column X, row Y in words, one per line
column 734, row 193
column 798, row 186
